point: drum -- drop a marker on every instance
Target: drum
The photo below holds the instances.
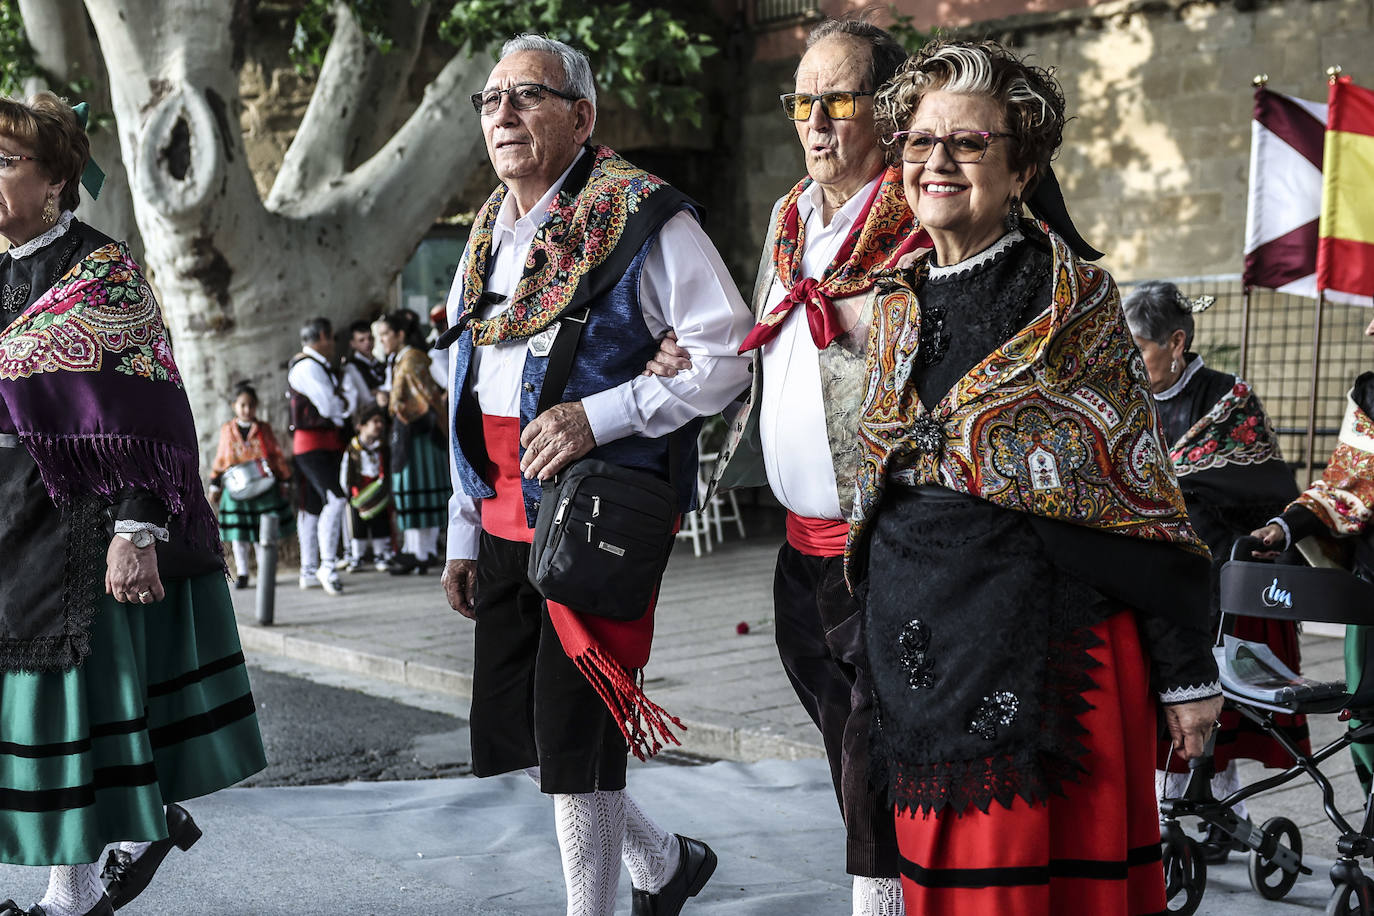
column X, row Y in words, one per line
column 248, row 480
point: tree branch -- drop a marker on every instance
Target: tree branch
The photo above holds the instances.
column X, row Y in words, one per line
column 409, row 180
column 351, row 108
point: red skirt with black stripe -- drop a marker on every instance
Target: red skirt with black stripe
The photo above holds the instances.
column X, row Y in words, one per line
column 1093, row 851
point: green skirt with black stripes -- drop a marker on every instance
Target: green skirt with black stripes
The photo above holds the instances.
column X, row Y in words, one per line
column 160, row 712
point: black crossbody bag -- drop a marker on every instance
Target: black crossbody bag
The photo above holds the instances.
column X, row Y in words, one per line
column 604, row 532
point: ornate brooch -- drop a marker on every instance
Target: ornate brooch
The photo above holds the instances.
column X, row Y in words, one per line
column 927, row 435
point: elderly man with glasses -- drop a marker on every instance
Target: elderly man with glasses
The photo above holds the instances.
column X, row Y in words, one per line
column 797, row 432
column 574, row 233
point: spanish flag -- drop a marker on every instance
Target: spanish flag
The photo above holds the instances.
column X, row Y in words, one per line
column 1345, row 250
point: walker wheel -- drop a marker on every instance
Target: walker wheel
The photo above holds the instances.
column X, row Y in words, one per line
column 1185, row 874
column 1352, row 899
column 1269, row 880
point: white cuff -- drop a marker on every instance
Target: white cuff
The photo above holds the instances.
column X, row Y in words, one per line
column 128, row 526
column 1188, row 694
column 1287, row 532
column 611, row 414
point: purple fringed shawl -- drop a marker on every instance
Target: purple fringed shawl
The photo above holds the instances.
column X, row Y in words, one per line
column 87, row 375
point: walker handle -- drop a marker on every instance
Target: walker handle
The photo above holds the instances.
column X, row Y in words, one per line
column 1245, row 546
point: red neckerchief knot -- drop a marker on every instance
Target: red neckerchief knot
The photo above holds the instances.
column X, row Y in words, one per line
column 881, row 232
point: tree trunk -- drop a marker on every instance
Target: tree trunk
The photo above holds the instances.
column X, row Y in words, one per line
column 60, row 33
column 238, row 277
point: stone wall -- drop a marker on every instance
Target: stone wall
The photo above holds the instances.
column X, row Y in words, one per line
column 1155, row 163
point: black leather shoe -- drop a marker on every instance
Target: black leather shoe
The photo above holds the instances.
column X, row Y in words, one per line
column 403, row 564
column 125, row 877
column 10, row 908
column 1216, row 847
column 696, row 863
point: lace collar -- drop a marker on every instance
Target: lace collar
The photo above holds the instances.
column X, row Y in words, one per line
column 1189, row 371
column 979, row 261
column 58, row 230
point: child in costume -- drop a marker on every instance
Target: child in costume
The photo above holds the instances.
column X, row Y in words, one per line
column 364, row 480
column 244, row 439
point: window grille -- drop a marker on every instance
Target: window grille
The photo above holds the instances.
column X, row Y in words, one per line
column 768, row 12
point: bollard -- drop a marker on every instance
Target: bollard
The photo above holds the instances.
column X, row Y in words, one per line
column 268, row 527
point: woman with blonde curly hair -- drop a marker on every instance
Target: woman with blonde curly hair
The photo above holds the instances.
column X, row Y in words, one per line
column 1029, row 571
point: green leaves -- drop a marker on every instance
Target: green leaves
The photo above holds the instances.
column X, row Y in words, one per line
column 315, row 28
column 17, row 59
column 642, row 57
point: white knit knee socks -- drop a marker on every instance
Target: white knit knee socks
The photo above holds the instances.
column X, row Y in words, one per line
column 73, row 890
column 877, row 896
column 650, row 852
column 591, row 831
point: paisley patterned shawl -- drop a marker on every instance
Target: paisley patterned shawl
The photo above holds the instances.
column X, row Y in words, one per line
column 1236, row 431
column 603, row 201
column 1344, row 496
column 88, row 378
column 1056, row 422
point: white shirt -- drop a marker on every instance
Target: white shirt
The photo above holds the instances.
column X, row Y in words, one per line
column 310, row 377
column 796, row 449
column 683, row 285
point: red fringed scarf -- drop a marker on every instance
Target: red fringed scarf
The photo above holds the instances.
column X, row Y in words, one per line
column 604, row 650
column 883, row 231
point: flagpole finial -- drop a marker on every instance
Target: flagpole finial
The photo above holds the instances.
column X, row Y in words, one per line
column 1261, row 80
column 1332, row 73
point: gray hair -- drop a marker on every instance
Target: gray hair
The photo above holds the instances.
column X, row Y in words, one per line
column 1156, row 309
column 886, row 53
column 314, row 329
column 577, row 70
column 1030, row 96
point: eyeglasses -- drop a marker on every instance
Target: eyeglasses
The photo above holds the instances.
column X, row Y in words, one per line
column 837, row 105
column 963, row 146
column 523, row 97
column 8, row 161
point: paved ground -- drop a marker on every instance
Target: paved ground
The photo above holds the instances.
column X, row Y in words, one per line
column 728, row 687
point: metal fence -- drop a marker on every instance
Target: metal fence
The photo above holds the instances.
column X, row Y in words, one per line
column 768, row 12
column 1270, row 344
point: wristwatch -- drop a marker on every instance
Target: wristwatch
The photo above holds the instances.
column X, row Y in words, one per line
column 139, row 539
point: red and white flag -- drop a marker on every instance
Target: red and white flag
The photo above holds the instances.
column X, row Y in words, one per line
column 1285, row 202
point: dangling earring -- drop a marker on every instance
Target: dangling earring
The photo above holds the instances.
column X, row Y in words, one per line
column 1014, row 213
column 1173, row 365
column 50, row 211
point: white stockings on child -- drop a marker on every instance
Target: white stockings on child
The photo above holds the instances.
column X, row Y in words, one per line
column 73, row 890
column 591, row 830
column 240, row 557
column 650, row 852
column 877, row 896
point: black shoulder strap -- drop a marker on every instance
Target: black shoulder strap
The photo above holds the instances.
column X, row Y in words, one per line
column 559, row 369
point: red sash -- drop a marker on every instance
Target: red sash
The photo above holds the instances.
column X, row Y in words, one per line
column 817, row 537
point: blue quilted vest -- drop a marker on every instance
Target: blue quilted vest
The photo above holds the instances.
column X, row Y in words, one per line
column 614, row 347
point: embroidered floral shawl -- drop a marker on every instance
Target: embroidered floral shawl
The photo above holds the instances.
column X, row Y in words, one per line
column 88, row 377
column 1343, row 499
column 1236, row 431
column 576, row 245
column 1056, row 422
